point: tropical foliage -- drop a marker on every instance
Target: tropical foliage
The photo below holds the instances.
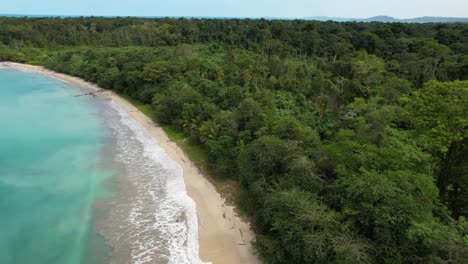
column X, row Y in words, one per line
column 348, row 140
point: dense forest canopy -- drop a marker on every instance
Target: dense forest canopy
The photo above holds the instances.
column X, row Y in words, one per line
column 348, row 140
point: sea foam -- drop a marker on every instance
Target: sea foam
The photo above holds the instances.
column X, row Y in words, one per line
column 161, row 222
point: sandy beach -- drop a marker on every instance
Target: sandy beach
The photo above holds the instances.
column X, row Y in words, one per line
column 223, row 237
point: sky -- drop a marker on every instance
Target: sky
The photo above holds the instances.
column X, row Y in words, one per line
column 239, row 8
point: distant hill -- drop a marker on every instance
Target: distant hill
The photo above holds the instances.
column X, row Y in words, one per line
column 389, row 19
column 386, row 19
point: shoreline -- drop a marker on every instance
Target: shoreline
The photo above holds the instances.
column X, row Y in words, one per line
column 223, row 237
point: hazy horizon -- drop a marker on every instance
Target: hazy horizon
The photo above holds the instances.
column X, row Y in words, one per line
column 240, row 8
column 224, row 17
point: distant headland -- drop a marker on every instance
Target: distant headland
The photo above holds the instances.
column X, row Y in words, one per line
column 389, row 19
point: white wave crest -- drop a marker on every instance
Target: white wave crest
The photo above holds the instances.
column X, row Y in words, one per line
column 166, row 230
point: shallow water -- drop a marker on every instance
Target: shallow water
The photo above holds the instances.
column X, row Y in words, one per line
column 82, row 182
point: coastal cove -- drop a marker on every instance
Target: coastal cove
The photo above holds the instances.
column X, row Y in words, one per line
column 221, row 235
column 337, row 142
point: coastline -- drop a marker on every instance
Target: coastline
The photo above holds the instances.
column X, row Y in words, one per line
column 223, row 237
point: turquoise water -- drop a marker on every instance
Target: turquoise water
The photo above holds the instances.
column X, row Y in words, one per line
column 51, row 171
column 75, row 167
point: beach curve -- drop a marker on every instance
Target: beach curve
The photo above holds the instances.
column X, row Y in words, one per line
column 223, row 237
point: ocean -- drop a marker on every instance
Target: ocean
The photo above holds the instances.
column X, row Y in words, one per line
column 83, row 182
